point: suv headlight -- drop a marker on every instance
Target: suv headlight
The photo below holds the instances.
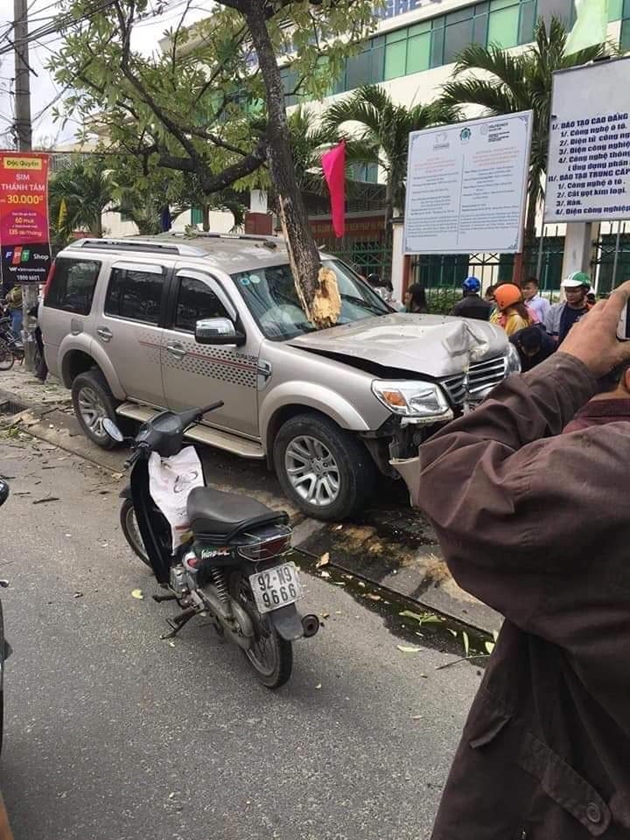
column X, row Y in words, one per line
column 513, row 360
column 419, row 400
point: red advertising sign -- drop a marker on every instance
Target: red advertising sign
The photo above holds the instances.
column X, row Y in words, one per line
column 24, row 237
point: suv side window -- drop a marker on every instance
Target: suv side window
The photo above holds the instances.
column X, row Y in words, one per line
column 196, row 301
column 135, row 294
column 72, row 285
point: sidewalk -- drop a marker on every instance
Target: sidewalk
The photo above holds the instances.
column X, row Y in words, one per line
column 389, row 544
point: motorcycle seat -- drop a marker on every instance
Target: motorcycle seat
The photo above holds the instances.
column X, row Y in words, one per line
column 219, row 517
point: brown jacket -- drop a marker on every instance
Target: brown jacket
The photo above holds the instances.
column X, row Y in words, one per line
column 538, row 527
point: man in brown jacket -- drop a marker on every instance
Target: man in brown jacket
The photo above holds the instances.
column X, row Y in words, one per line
column 537, row 525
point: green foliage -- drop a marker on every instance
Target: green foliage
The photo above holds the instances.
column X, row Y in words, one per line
column 513, row 82
column 85, row 189
column 193, row 107
column 383, row 133
column 441, row 301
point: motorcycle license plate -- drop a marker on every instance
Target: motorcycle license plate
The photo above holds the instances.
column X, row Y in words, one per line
column 275, row 588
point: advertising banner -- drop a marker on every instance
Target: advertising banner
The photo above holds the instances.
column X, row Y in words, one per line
column 588, row 170
column 467, row 186
column 24, row 231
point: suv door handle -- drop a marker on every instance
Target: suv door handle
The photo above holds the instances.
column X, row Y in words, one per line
column 105, row 333
column 176, row 350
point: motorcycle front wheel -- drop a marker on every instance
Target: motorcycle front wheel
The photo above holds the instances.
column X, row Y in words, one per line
column 129, row 525
column 270, row 656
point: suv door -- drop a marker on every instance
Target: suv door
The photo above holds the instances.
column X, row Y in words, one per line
column 196, row 374
column 130, row 328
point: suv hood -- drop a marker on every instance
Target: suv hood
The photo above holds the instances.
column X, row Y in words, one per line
column 432, row 345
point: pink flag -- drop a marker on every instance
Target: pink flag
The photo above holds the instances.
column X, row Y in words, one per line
column 334, row 166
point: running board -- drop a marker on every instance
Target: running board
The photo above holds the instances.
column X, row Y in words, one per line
column 200, row 434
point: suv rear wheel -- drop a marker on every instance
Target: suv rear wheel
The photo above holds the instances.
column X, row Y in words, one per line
column 93, row 402
column 325, row 470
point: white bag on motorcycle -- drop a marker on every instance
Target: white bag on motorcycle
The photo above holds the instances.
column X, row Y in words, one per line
column 170, row 482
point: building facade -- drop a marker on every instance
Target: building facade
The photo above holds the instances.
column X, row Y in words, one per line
column 411, row 55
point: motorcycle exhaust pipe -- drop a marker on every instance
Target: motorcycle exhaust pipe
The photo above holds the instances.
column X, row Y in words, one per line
column 310, row 625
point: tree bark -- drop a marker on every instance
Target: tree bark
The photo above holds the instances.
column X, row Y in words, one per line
column 316, row 286
column 205, row 217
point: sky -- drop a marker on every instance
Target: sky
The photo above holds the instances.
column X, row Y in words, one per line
column 43, row 87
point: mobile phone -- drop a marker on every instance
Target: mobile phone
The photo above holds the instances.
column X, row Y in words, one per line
column 623, row 327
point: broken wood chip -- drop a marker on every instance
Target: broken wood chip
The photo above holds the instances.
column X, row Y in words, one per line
column 324, row 560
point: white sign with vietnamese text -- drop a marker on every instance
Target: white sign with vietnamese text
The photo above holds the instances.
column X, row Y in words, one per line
column 467, row 186
column 588, row 171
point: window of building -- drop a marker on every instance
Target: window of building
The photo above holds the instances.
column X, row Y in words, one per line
column 615, row 8
column 72, row 285
column 366, row 68
column 452, row 32
column 624, row 40
column 503, row 23
column 408, row 50
column 135, row 293
column 196, row 301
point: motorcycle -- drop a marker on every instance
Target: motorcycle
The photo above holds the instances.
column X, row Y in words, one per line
column 232, row 565
column 5, row 647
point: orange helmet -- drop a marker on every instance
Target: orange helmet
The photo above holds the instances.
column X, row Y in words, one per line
column 507, row 294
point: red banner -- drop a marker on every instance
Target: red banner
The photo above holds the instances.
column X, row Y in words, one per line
column 24, row 231
column 334, row 166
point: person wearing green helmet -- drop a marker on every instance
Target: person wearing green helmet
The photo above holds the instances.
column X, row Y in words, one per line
column 562, row 316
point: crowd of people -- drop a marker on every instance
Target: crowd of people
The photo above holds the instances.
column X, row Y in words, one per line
column 535, row 327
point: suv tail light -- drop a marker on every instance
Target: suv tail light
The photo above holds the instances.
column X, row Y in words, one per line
column 51, row 273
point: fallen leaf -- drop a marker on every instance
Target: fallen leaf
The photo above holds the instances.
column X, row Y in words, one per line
column 424, row 676
column 427, row 618
column 408, row 648
column 324, row 560
column 373, row 596
column 361, row 584
column 137, row 593
column 489, row 647
column 319, row 685
column 338, row 527
column 466, row 641
column 325, row 615
column 416, row 717
column 325, row 574
column 78, row 594
column 171, row 643
column 339, row 583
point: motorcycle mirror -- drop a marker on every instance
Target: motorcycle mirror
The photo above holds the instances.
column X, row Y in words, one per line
column 112, row 430
column 4, row 491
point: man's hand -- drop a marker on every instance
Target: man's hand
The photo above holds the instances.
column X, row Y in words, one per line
column 593, row 340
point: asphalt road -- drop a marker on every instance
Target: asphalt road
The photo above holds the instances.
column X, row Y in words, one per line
column 113, row 734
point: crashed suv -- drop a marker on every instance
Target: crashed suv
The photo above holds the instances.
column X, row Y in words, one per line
column 136, row 325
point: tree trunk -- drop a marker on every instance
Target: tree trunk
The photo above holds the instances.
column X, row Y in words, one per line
column 205, row 217
column 316, row 286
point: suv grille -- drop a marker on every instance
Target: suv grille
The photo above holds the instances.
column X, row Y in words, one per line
column 480, row 377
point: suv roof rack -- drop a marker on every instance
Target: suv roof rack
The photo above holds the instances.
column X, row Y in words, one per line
column 176, row 242
column 130, row 245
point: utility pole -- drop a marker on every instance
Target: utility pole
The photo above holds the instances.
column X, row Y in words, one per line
column 24, row 132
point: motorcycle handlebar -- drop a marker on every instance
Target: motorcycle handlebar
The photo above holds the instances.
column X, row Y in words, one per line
column 195, row 414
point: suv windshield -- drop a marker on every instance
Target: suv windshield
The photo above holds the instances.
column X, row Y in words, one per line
column 270, row 296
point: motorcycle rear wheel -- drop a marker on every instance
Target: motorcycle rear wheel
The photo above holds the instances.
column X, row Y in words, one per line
column 129, row 525
column 271, row 656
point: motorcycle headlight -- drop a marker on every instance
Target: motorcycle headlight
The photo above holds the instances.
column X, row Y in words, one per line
column 513, row 360
column 420, row 400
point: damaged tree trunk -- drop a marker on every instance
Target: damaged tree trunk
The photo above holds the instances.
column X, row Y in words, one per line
column 316, row 285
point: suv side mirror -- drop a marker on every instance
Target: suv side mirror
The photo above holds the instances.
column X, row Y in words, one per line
column 218, row 331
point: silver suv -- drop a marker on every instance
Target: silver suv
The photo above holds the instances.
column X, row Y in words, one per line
column 140, row 324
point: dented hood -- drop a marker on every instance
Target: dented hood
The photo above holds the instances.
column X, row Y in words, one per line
column 432, row 345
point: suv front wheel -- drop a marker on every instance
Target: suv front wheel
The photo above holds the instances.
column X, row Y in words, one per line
column 324, row 469
column 93, row 402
